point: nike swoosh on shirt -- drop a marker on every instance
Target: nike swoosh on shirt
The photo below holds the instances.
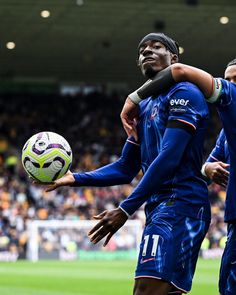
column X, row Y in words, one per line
column 146, row 260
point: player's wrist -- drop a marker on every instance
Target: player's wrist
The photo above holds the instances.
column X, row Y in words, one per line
column 203, row 170
column 134, row 97
column 122, row 209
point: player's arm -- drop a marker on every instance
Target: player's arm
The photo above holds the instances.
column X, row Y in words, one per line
column 215, row 167
column 177, row 134
column 120, row 172
column 175, row 140
column 161, row 83
column 168, row 77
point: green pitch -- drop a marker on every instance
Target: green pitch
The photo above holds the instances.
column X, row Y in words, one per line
column 88, row 278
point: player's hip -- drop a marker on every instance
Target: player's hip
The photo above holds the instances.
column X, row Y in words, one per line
column 169, row 249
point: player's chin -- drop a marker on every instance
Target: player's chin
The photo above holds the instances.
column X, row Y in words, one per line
column 149, row 70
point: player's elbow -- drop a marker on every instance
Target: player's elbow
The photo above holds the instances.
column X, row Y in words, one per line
column 129, row 179
column 179, row 72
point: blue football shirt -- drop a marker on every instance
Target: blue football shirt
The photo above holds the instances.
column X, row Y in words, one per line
column 221, row 151
column 226, row 106
column 184, row 189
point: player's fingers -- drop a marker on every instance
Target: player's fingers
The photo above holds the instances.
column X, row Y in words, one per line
column 99, row 235
column 224, row 169
column 131, row 130
column 41, row 183
column 108, row 238
column 221, row 175
column 220, row 180
column 36, row 182
column 224, row 184
column 127, row 123
column 225, row 165
column 135, row 133
column 51, row 187
column 128, row 127
column 101, row 215
column 96, row 227
column 221, row 172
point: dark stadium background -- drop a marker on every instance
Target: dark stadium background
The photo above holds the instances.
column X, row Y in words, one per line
column 70, row 73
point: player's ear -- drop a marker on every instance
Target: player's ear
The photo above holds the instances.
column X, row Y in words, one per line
column 174, row 58
column 138, row 62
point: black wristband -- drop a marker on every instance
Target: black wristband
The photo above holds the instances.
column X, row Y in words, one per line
column 161, row 83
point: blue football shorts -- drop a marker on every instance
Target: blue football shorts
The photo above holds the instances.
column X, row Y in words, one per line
column 227, row 282
column 170, row 246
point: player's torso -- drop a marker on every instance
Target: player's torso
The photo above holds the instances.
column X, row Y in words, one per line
column 152, row 125
column 187, row 181
column 154, row 116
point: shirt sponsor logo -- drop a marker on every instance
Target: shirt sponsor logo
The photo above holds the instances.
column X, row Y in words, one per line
column 179, row 101
column 178, row 109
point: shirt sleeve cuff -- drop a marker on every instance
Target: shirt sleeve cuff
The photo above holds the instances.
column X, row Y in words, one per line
column 203, row 169
column 125, row 211
column 217, row 87
column 78, row 181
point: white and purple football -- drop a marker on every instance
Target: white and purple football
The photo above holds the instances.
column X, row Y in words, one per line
column 46, row 156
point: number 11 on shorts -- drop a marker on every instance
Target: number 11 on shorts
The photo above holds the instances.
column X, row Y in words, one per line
column 154, row 241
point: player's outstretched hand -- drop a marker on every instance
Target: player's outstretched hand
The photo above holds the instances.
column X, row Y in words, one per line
column 110, row 222
column 66, row 180
column 129, row 117
column 217, row 172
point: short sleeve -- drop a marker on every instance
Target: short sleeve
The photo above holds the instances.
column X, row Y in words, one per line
column 218, row 152
column 187, row 104
column 223, row 92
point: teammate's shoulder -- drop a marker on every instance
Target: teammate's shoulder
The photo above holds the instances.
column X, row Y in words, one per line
column 226, row 83
column 185, row 86
column 220, row 83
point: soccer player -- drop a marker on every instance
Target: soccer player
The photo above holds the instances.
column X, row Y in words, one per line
column 223, row 94
column 171, row 132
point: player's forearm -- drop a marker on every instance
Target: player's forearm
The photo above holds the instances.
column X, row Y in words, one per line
column 182, row 72
column 120, row 172
column 159, row 171
column 161, row 83
column 169, row 76
column 109, row 175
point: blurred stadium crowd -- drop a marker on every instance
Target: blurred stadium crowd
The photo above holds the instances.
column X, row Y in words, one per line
column 90, row 122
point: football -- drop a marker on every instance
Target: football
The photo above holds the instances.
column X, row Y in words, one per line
column 46, row 156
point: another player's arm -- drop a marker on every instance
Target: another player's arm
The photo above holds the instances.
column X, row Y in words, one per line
column 215, row 167
column 120, row 172
column 173, row 74
column 161, row 83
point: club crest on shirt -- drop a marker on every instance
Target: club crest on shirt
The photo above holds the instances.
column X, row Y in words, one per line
column 155, row 111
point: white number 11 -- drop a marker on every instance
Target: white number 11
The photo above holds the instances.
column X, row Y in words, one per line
column 155, row 239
